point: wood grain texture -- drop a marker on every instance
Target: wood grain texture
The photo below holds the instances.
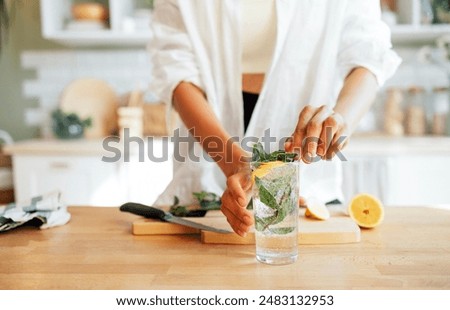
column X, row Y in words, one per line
column 96, row 250
column 156, row 227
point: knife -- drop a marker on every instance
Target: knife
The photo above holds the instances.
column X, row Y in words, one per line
column 158, row 214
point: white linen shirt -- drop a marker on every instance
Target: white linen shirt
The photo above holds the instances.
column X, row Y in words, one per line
column 318, row 43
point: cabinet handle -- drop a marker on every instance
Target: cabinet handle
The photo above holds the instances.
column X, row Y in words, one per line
column 59, row 165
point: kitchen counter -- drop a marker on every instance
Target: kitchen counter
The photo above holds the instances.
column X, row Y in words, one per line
column 74, row 147
column 54, row 146
column 96, row 250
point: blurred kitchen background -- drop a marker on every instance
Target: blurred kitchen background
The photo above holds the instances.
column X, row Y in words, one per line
column 90, row 58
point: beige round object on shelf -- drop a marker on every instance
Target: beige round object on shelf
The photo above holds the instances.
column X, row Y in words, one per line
column 89, row 11
column 92, row 98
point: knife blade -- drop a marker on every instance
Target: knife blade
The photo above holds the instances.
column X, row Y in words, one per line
column 158, row 214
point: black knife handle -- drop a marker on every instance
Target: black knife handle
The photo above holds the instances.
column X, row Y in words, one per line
column 143, row 210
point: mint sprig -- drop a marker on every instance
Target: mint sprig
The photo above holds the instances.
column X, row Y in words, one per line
column 206, row 200
column 260, row 156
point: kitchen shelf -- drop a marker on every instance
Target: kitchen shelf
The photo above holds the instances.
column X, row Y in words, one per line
column 379, row 145
column 100, row 37
column 84, row 172
column 55, row 16
column 419, row 33
column 410, row 30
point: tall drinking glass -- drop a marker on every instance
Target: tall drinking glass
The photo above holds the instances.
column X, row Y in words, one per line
column 275, row 208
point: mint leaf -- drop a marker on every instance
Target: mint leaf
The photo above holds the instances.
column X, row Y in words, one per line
column 281, row 214
column 250, row 204
column 282, row 230
column 262, row 223
column 208, row 200
column 258, row 154
column 178, row 210
column 265, row 196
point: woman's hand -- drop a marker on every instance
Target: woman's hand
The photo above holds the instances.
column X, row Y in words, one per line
column 235, row 200
column 319, row 134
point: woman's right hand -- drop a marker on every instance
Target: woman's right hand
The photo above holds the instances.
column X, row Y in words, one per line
column 235, row 200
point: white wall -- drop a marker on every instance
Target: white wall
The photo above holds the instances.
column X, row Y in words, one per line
column 55, row 69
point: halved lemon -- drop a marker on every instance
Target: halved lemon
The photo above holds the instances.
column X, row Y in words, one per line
column 366, row 210
column 316, row 209
column 265, row 168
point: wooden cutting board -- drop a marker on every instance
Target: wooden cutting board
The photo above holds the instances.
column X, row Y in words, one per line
column 95, row 99
column 337, row 229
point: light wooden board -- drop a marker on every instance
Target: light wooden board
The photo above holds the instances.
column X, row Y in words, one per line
column 338, row 229
column 155, row 227
column 95, row 99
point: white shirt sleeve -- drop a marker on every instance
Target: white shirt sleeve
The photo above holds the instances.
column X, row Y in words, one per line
column 366, row 41
column 171, row 51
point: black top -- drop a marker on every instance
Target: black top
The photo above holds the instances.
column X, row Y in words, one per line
column 250, row 100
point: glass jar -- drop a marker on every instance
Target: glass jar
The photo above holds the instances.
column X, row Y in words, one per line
column 393, row 112
column 440, row 110
column 426, row 12
column 415, row 116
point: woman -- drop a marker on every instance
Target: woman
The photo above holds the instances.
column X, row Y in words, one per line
column 313, row 65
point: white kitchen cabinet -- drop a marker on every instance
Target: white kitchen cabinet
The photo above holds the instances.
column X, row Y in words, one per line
column 77, row 168
column 400, row 171
column 82, row 180
column 55, row 15
column 417, row 180
column 399, row 180
column 404, row 171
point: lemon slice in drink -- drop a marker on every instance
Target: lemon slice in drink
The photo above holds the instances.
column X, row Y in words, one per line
column 366, row 210
column 308, row 213
column 264, row 168
column 316, row 209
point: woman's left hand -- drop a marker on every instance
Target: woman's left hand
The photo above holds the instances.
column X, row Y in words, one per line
column 320, row 134
column 235, row 200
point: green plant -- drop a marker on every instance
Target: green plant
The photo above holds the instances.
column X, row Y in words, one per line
column 441, row 10
column 69, row 125
column 206, row 201
column 445, row 4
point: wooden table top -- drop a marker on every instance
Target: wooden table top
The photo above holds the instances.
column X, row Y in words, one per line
column 96, row 250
